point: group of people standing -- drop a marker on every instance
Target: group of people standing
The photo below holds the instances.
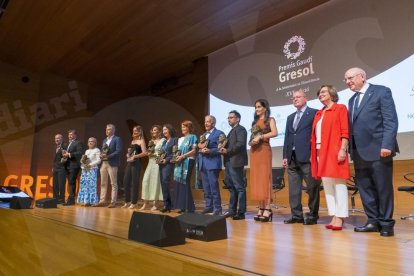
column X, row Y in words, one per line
column 316, row 147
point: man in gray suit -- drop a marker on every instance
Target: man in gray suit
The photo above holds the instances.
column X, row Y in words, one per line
column 373, row 143
column 296, row 158
column 234, row 159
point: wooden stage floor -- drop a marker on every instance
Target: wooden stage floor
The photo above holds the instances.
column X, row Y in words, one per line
column 85, row 241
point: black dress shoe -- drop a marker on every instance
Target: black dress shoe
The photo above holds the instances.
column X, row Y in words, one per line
column 369, row 227
column 68, row 203
column 228, row 214
column 181, row 211
column 165, row 210
column 310, row 221
column 387, row 232
column 207, row 211
column 239, row 217
column 293, row 220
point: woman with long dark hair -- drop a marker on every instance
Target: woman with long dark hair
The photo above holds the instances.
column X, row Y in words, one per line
column 165, row 166
column 263, row 128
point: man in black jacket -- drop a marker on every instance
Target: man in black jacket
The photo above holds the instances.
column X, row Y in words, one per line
column 234, row 159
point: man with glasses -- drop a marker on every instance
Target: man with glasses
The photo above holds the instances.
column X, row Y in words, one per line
column 374, row 124
column 296, row 158
column 234, row 159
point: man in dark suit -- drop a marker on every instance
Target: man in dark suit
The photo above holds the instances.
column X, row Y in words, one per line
column 296, row 158
column 111, row 153
column 59, row 171
column 209, row 162
column 73, row 154
column 373, row 143
column 235, row 158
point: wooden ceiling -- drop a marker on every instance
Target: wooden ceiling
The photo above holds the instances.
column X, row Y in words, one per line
column 130, row 44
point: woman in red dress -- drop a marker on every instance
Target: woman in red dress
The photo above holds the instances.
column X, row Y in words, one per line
column 263, row 128
column 329, row 158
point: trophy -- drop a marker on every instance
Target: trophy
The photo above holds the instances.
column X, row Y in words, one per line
column 104, row 154
column 130, row 153
column 256, row 131
column 222, row 141
column 85, row 161
column 176, row 153
column 151, row 148
column 203, row 141
column 63, row 152
column 160, row 156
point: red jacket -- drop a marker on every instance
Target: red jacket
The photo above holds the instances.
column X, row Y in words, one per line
column 334, row 128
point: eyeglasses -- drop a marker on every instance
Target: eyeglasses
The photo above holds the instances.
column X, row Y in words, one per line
column 296, row 97
column 350, row 78
column 91, row 141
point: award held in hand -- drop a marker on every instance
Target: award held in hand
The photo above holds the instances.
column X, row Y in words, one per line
column 160, row 155
column 63, row 159
column 256, row 131
column 203, row 141
column 222, row 141
column 175, row 153
column 104, row 154
column 151, row 148
column 85, row 161
column 130, row 154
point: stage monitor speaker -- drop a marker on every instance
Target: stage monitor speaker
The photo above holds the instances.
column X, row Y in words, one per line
column 46, row 203
column 203, row 227
column 20, row 202
column 154, row 229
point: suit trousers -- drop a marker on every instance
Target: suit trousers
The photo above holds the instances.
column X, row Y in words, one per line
column 72, row 177
column 211, row 189
column 237, row 188
column 374, row 181
column 59, row 181
column 336, row 194
column 112, row 172
column 297, row 172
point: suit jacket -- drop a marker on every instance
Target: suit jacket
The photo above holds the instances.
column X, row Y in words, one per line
column 76, row 151
column 375, row 123
column 211, row 161
column 114, row 152
column 236, row 148
column 300, row 138
column 57, row 165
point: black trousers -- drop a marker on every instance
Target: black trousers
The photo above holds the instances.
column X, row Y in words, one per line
column 59, row 181
column 131, row 178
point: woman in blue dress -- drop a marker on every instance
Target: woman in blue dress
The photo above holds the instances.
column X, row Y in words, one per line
column 87, row 195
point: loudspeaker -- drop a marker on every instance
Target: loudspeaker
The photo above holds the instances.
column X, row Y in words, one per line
column 158, row 230
column 46, row 203
column 203, row 227
column 20, row 202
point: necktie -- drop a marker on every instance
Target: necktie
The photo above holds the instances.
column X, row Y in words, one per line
column 356, row 104
column 297, row 119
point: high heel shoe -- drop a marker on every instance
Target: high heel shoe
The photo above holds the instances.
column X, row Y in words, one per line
column 328, row 226
column 338, row 228
column 259, row 214
column 267, row 218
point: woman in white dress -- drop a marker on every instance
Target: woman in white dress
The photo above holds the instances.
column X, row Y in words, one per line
column 151, row 184
column 87, row 195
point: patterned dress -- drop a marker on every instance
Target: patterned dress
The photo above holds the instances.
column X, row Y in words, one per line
column 88, row 181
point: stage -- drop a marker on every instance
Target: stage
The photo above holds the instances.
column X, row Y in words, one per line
column 85, row 240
